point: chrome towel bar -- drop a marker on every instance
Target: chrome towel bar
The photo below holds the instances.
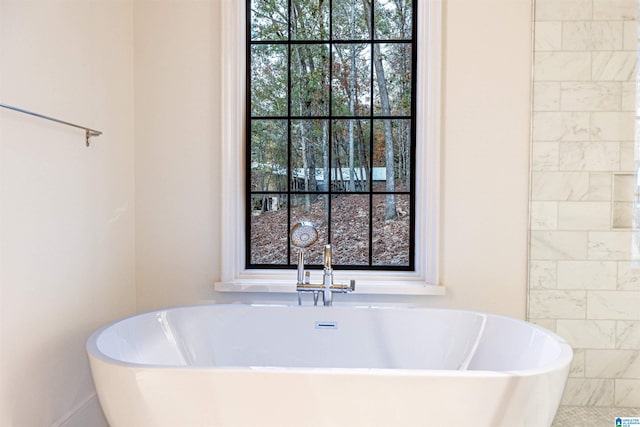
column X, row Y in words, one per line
column 87, row 131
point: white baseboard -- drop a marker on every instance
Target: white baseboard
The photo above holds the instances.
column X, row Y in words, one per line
column 85, row 413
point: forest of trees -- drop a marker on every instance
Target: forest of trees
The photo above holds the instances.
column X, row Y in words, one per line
column 330, row 101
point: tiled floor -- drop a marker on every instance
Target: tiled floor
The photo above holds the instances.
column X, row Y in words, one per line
column 579, row 416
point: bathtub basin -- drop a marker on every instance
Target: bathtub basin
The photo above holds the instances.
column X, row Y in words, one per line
column 261, row 366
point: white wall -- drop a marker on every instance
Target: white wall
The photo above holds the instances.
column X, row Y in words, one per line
column 66, row 211
column 486, row 120
column 177, row 151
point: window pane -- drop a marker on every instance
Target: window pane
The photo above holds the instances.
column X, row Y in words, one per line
column 309, row 20
column 351, row 86
column 350, row 156
column 350, row 21
column 268, row 224
column 268, row 80
column 392, row 91
column 330, row 125
column 350, row 229
column 393, row 19
column 309, row 153
column 268, row 155
column 394, row 158
column 391, row 237
column 309, row 80
column 312, row 208
column 269, row 20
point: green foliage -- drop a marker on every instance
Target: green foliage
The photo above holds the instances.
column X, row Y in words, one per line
column 309, row 73
column 309, row 20
column 393, row 19
column 269, row 66
column 350, row 20
column 269, row 19
column 268, row 155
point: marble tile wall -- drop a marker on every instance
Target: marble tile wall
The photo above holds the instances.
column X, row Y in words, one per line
column 584, row 277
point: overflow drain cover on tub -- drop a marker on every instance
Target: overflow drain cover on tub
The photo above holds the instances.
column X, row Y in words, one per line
column 326, row 325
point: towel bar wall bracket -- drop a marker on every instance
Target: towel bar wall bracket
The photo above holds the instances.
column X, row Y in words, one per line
column 88, row 132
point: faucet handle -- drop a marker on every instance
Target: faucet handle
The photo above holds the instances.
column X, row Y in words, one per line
column 343, row 289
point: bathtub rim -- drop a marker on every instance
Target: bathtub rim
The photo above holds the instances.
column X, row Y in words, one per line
column 563, row 360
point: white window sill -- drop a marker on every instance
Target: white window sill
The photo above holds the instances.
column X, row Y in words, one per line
column 364, row 287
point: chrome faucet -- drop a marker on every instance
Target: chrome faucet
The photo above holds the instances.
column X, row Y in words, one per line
column 303, row 235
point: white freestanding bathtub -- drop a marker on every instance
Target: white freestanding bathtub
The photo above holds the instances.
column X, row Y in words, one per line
column 262, row 366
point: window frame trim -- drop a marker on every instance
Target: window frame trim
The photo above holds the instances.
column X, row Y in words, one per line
column 234, row 277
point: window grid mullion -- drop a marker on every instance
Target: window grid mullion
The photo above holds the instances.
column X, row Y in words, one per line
column 327, row 178
column 248, row 124
column 371, row 97
column 289, row 165
column 336, row 117
column 412, row 181
column 330, row 40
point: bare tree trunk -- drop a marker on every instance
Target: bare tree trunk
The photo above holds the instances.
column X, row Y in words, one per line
column 390, row 210
column 307, row 66
column 303, row 136
column 352, row 100
column 305, row 167
column 364, row 158
column 325, row 135
column 407, row 149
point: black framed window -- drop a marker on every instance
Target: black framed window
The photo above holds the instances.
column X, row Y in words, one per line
column 331, row 133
